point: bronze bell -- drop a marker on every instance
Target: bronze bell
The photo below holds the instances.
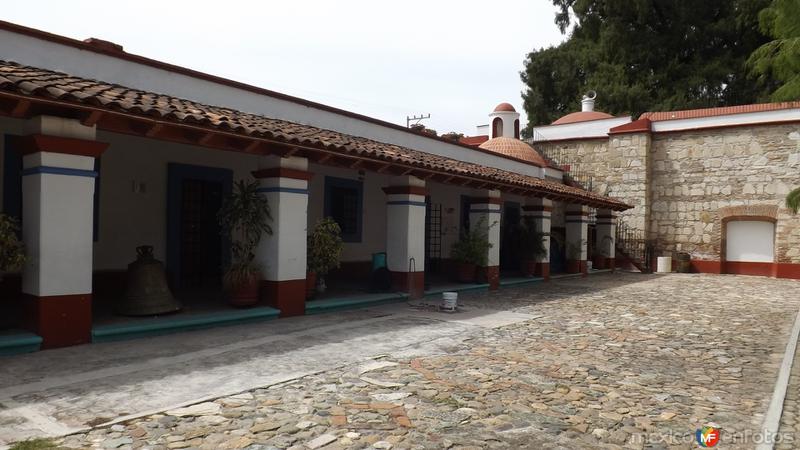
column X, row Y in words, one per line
column 147, row 293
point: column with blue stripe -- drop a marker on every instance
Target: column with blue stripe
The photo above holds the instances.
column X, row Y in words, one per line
column 405, row 234
column 282, row 256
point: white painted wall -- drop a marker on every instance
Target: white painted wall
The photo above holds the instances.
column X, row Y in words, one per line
column 590, row 129
column 57, row 213
column 406, row 232
column 283, row 255
column 373, row 231
column 783, row 115
column 44, row 54
column 750, row 240
column 129, row 219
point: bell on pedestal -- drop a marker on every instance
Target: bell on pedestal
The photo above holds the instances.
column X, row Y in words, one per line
column 147, row 293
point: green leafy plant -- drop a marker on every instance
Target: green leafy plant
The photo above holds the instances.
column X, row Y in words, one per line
column 324, row 246
column 12, row 250
column 473, row 246
column 574, row 249
column 35, row 444
column 793, row 200
column 529, row 240
column 245, row 217
column 603, row 249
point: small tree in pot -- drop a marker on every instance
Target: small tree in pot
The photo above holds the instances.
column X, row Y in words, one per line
column 324, row 252
column 530, row 242
column 12, row 250
column 244, row 217
column 470, row 252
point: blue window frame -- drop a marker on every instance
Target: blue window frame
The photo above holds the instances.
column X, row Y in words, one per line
column 344, row 201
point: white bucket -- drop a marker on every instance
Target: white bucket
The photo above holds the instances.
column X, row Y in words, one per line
column 449, row 301
column 664, row 264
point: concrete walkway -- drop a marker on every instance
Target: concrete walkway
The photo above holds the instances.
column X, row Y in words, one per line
column 57, row 392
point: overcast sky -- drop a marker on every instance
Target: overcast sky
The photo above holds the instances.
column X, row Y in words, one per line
column 454, row 59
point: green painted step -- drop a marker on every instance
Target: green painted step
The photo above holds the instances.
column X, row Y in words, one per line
column 15, row 342
column 456, row 288
column 137, row 328
column 352, row 302
column 519, row 280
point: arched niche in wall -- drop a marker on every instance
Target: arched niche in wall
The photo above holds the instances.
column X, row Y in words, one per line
column 497, row 127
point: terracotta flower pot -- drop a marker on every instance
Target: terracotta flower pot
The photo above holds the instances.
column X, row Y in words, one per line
column 246, row 294
column 599, row 262
column 528, row 268
column 466, row 272
column 573, row 266
column 311, row 285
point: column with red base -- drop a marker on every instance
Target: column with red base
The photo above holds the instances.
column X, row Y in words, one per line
column 539, row 211
column 577, row 224
column 606, row 237
column 282, row 256
column 405, row 234
column 484, row 215
column 58, row 186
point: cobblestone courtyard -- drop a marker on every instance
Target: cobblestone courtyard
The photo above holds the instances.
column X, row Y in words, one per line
column 608, row 361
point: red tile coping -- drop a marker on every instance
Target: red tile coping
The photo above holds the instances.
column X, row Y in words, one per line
column 657, row 116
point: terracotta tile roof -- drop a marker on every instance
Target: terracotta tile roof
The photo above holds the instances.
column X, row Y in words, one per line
column 474, row 140
column 582, row 116
column 516, row 148
column 46, row 84
column 720, row 111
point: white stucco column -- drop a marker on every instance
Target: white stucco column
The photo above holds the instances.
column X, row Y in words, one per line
column 405, row 234
column 540, row 210
column 577, row 224
column 57, row 227
column 606, row 232
column 282, row 256
column 484, row 213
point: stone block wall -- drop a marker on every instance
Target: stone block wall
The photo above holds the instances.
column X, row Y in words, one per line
column 618, row 165
column 699, row 177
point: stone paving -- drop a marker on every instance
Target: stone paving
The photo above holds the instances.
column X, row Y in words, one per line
column 609, row 361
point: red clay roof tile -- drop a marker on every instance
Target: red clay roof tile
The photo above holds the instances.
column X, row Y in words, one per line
column 33, row 83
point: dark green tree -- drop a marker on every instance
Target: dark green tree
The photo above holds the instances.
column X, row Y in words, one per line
column 777, row 63
column 644, row 55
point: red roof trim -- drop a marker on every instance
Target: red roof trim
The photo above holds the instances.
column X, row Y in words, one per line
column 474, row 140
column 637, row 126
column 39, row 34
column 56, row 144
column 658, row 116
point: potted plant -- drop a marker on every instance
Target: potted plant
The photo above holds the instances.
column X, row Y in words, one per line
column 574, row 262
column 530, row 242
column 244, row 217
column 602, row 254
column 12, row 250
column 324, row 252
column 470, row 252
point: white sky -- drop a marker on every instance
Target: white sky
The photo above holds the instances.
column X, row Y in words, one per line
column 454, row 59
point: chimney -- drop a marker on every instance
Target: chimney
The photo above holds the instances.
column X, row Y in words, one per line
column 101, row 44
column 587, row 104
